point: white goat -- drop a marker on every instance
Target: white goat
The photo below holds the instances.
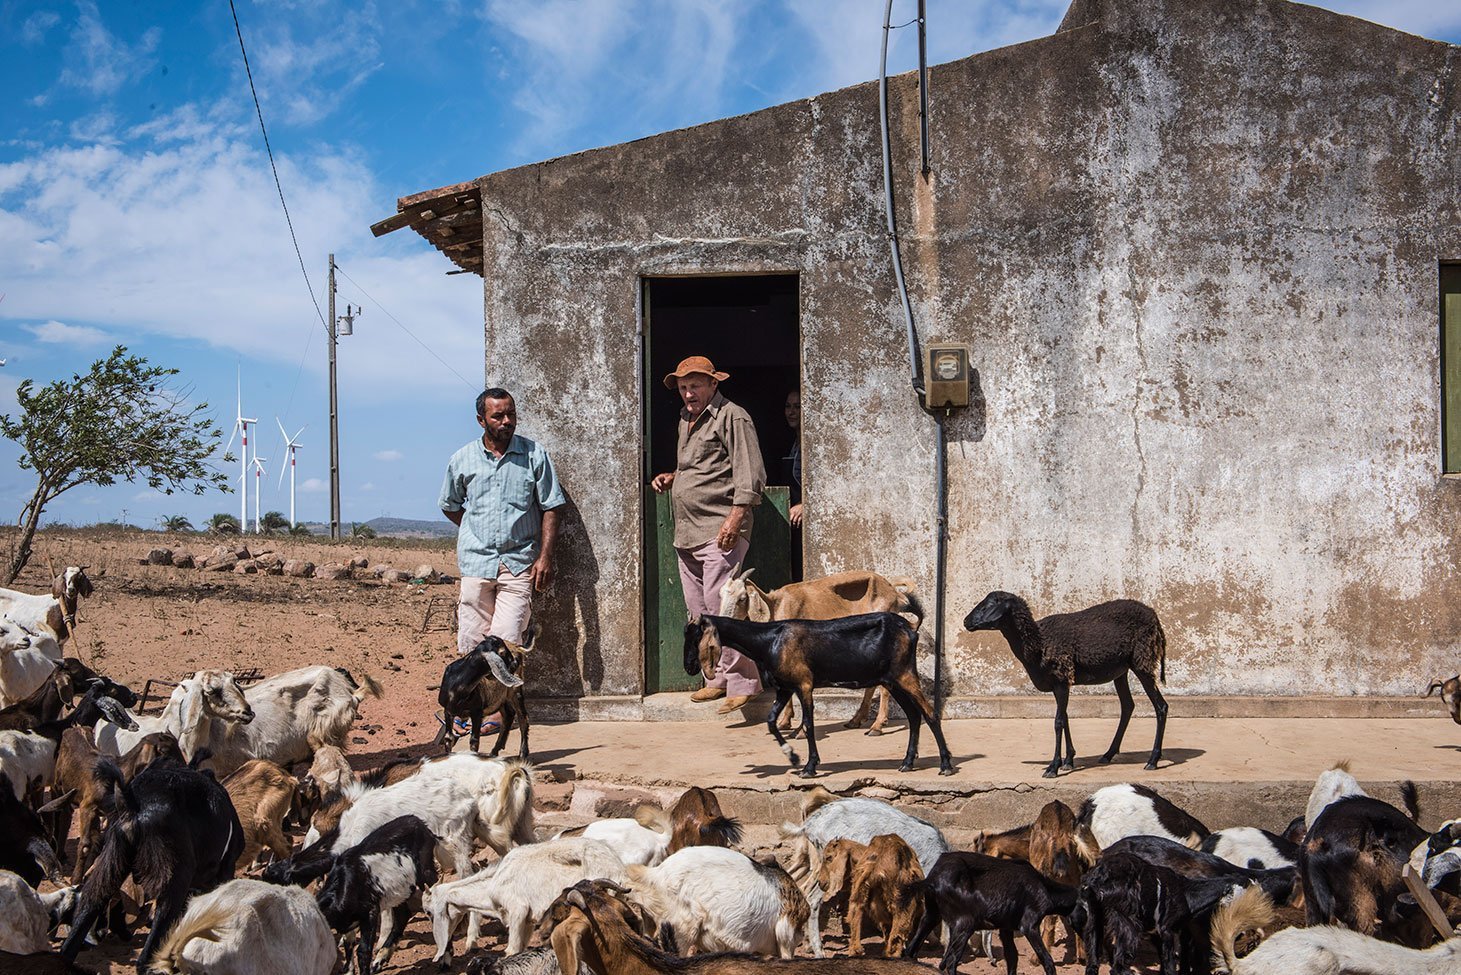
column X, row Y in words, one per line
column 1115, row 812
column 248, row 927
column 114, row 742
column 25, row 919
column 1332, row 785
column 52, row 613
column 26, row 660
column 715, row 899
column 519, row 889
column 1248, row 846
column 643, row 840
column 26, row 760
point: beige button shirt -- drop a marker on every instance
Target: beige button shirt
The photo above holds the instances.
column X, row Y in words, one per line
column 717, row 464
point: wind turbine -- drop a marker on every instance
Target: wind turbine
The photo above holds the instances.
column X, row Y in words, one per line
column 258, row 485
column 241, row 425
column 291, row 444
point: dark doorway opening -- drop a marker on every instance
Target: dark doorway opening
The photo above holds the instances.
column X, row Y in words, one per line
column 749, row 326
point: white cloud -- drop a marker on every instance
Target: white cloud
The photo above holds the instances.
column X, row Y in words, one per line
column 59, row 333
column 97, row 61
column 307, row 63
column 188, row 241
column 33, row 31
column 388, row 455
column 313, row 485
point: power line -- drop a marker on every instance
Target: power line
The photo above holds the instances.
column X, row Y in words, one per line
column 402, row 326
column 272, row 166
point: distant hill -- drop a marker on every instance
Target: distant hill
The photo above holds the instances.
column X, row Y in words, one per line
column 413, row 528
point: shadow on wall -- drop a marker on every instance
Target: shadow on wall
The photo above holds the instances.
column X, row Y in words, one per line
column 562, row 668
column 970, row 424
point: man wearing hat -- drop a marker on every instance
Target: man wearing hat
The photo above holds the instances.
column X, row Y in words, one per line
column 718, row 479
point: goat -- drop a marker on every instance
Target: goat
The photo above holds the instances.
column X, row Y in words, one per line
column 1092, row 646
column 1351, row 864
column 826, row 818
column 518, row 889
column 712, row 899
column 1117, row 811
column 1205, row 880
column 1256, row 849
column 653, row 834
column 26, row 917
column 261, row 793
column 248, row 927
column 797, row 656
column 28, row 758
column 174, row 831
column 282, row 718
column 1439, row 856
column 1331, row 785
column 1061, row 850
column 971, row 891
column 878, row 882
column 486, row 681
column 696, row 820
column 43, row 704
column 1450, row 689
column 1324, row 950
column 1122, row 899
column 591, row 925
column 25, row 845
column 322, row 811
column 187, row 716
column 149, row 748
column 827, row 598
column 26, row 660
column 374, row 881
column 534, row 961
column 53, row 613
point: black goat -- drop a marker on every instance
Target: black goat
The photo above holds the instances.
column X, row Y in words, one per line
column 1205, row 880
column 25, row 845
column 1092, row 646
column 486, row 681
column 383, row 872
column 1351, row 863
column 795, row 656
column 1122, row 899
column 971, row 892
column 45, row 703
column 175, row 831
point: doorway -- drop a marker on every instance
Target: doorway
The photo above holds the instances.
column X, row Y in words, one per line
column 749, row 326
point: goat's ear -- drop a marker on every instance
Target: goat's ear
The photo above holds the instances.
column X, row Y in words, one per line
column 567, row 941
column 1436, row 685
column 757, row 609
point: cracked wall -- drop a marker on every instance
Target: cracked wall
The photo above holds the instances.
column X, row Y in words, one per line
column 1194, row 247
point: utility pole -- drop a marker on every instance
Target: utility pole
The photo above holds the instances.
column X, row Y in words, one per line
column 334, row 417
column 341, row 325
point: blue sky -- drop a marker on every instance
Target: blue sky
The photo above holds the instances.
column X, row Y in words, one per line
column 137, row 206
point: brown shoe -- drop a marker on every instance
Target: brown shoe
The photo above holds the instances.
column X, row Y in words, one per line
column 708, row 694
column 734, row 704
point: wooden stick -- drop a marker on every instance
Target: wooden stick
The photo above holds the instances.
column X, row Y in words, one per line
column 1427, row 902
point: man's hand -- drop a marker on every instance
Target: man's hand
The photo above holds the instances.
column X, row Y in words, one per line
column 541, row 572
column 662, row 482
column 730, row 529
column 795, row 515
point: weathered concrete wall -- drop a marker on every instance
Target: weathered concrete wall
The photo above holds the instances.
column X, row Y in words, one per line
column 1194, row 245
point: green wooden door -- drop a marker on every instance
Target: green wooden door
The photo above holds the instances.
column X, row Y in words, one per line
column 664, row 602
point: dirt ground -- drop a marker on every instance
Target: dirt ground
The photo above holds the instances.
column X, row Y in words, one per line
column 147, row 621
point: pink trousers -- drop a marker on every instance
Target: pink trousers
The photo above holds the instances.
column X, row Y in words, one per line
column 704, row 571
column 499, row 607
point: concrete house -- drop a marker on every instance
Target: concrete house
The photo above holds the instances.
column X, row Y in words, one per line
column 1201, row 251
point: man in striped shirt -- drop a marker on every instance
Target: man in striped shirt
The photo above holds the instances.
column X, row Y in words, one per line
column 503, row 496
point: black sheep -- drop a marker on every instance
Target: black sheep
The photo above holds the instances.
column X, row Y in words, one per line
column 487, row 680
column 175, row 831
column 1092, row 646
column 971, row 892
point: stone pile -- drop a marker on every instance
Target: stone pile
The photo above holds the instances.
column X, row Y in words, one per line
column 238, row 559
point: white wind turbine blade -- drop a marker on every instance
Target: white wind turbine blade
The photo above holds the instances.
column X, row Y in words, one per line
column 284, row 465
column 231, row 436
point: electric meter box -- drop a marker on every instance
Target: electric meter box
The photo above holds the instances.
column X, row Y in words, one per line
column 947, row 375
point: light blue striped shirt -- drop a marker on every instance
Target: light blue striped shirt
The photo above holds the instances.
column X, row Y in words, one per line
column 502, row 501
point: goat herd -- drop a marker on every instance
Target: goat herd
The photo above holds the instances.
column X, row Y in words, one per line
column 204, row 791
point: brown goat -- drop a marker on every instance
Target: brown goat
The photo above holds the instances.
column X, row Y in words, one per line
column 75, row 790
column 1061, row 850
column 149, row 749
column 1450, row 695
column 696, row 820
column 262, row 793
column 1012, row 844
column 876, row 879
column 834, row 876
